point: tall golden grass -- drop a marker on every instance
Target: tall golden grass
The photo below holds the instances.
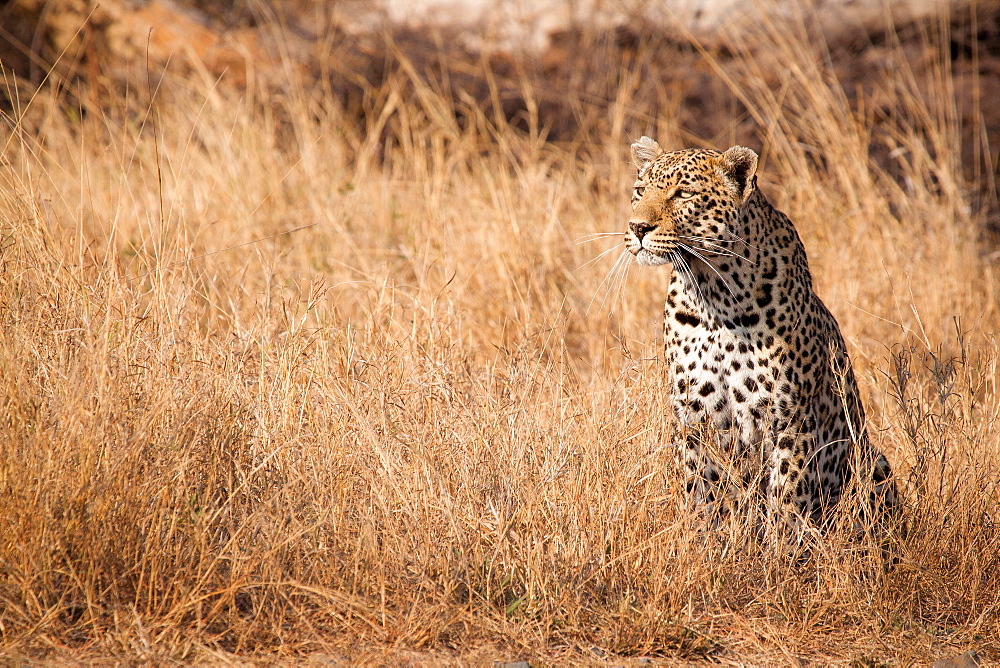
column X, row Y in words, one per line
column 278, row 382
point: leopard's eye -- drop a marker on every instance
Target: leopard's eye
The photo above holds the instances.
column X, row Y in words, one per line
column 639, row 190
column 683, row 194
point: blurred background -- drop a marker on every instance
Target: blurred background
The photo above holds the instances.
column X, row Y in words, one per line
column 554, row 67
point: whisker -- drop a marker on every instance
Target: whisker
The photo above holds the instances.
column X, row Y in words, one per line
column 611, row 283
column 599, row 234
column 685, row 269
column 621, row 258
column 702, row 240
column 741, row 240
column 718, row 248
column 619, row 290
column 594, row 236
column 697, row 284
column 714, row 251
column 595, row 259
column 710, row 266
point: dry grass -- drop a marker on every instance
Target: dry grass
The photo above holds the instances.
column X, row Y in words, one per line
column 399, row 429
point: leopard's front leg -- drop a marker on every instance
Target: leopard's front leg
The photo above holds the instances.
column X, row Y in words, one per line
column 788, row 486
column 701, row 474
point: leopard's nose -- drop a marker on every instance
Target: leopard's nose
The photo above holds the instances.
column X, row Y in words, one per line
column 640, row 228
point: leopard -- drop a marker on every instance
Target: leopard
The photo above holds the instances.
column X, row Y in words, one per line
column 759, row 376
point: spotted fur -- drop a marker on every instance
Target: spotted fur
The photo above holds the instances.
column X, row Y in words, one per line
column 760, row 377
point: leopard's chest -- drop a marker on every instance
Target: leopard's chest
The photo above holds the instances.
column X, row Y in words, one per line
column 722, row 376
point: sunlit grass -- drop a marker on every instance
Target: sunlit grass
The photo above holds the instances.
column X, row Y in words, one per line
column 274, row 384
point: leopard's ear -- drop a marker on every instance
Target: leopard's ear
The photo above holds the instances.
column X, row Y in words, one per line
column 739, row 165
column 645, row 151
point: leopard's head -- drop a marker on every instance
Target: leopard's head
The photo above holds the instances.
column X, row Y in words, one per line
column 687, row 202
